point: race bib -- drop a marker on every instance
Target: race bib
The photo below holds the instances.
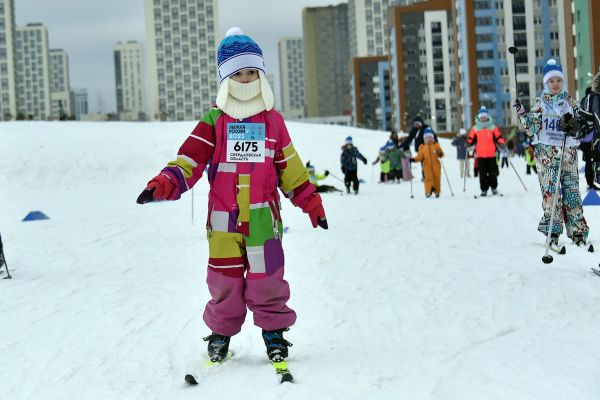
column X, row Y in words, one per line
column 551, row 129
column 245, row 142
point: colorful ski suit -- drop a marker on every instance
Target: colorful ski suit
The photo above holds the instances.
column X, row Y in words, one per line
column 244, row 226
column 542, row 123
column 485, row 136
column 430, row 155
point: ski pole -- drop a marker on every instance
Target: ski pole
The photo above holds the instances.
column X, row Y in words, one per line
column 447, row 179
column 192, row 206
column 547, row 259
column 518, row 176
column 3, row 260
column 335, row 177
column 465, row 171
column 411, row 182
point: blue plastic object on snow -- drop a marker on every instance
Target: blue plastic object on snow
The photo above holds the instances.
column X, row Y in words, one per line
column 286, row 229
column 35, row 216
column 592, row 199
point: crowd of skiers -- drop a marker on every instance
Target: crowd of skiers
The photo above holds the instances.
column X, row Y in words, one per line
column 244, row 146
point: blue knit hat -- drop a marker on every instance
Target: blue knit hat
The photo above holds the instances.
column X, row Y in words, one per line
column 238, row 51
column 428, row 132
column 390, row 144
column 483, row 112
column 348, row 140
column 552, row 70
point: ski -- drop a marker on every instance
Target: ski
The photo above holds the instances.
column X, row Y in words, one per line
column 596, row 271
column 192, row 379
column 282, row 371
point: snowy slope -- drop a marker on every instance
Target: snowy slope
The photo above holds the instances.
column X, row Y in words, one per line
column 401, row 298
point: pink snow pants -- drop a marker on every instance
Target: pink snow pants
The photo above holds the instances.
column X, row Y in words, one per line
column 240, row 278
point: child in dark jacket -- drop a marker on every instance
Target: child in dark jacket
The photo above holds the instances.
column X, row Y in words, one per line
column 350, row 165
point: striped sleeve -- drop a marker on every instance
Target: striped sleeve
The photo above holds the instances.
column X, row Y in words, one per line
column 193, row 155
column 293, row 177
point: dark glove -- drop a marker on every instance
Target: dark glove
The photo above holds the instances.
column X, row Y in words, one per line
column 519, row 108
column 343, row 170
column 314, row 209
column 159, row 188
column 365, row 161
column 412, row 160
column 326, row 173
column 570, row 126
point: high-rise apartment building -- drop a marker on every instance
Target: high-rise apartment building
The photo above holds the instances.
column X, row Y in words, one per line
column 367, row 23
column 33, row 72
column 326, row 61
column 129, row 80
column 182, row 41
column 371, row 98
column 60, row 87
column 80, row 102
column 540, row 29
column 8, row 100
column 586, row 32
column 423, row 64
column 291, row 76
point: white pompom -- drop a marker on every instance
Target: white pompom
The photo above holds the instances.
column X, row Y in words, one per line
column 483, row 108
column 551, row 61
column 234, row 31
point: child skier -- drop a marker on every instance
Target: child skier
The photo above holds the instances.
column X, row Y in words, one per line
column 486, row 138
column 549, row 121
column 429, row 154
column 384, row 165
column 315, row 177
column 349, row 164
column 394, row 155
column 245, row 143
column 530, row 160
column 460, row 142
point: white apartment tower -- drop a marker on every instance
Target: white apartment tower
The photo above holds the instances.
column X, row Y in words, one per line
column 291, row 76
column 33, row 72
column 129, row 77
column 182, row 42
column 8, row 102
column 60, row 87
column 80, row 102
column 367, row 24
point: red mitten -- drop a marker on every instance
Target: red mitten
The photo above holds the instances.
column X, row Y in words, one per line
column 314, row 209
column 162, row 185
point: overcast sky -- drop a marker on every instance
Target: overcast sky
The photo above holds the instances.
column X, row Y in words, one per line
column 87, row 31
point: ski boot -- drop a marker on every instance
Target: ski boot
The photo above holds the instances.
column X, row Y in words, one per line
column 494, row 192
column 218, row 346
column 428, row 195
column 277, row 346
column 554, row 240
column 579, row 241
column 483, row 194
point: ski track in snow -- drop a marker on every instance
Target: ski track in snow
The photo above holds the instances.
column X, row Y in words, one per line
column 401, row 298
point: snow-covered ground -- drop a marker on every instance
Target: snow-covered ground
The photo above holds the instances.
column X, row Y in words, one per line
column 400, row 299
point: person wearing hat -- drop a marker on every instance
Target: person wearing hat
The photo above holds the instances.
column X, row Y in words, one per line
column 590, row 145
column 314, row 177
column 429, row 154
column 349, row 164
column 416, row 133
column 384, row 164
column 249, row 154
column 486, row 138
column 551, row 123
column 460, row 142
